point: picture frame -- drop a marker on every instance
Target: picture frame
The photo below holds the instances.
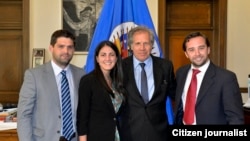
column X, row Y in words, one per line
column 80, row 18
column 38, row 57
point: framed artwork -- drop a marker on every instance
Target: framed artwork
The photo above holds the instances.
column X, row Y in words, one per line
column 38, row 57
column 80, row 18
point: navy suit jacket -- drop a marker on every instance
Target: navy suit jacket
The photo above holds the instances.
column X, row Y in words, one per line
column 147, row 122
column 219, row 100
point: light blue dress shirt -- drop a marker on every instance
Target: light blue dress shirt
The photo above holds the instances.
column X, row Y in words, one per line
column 150, row 75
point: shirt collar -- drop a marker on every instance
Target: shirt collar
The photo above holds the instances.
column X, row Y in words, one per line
column 57, row 69
column 203, row 68
column 147, row 61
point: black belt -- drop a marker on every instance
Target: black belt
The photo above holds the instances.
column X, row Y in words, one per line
column 62, row 138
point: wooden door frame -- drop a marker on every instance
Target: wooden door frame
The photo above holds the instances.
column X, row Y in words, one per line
column 220, row 31
column 18, row 30
column 26, row 29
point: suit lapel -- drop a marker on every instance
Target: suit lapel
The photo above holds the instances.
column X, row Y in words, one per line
column 130, row 82
column 158, row 74
column 109, row 101
column 75, row 78
column 52, row 83
column 182, row 76
column 206, row 82
column 104, row 94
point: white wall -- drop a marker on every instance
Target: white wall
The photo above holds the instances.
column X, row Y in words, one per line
column 238, row 31
column 46, row 17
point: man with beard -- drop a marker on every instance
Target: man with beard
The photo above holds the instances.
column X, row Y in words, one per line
column 40, row 106
column 216, row 95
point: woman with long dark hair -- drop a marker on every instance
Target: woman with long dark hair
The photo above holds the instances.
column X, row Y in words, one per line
column 101, row 96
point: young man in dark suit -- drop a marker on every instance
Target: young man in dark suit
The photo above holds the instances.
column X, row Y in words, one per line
column 217, row 98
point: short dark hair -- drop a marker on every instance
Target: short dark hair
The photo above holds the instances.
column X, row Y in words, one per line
column 193, row 35
column 61, row 33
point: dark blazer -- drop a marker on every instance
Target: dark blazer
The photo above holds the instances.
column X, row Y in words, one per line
column 96, row 116
column 140, row 122
column 219, row 100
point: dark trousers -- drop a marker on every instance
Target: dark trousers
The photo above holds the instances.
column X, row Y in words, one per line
column 62, row 139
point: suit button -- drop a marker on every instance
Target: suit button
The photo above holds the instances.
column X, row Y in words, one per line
column 58, row 131
column 114, row 119
column 59, row 116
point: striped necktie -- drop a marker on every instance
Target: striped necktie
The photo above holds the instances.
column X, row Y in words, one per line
column 68, row 130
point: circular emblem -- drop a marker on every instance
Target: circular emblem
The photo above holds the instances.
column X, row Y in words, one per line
column 119, row 37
